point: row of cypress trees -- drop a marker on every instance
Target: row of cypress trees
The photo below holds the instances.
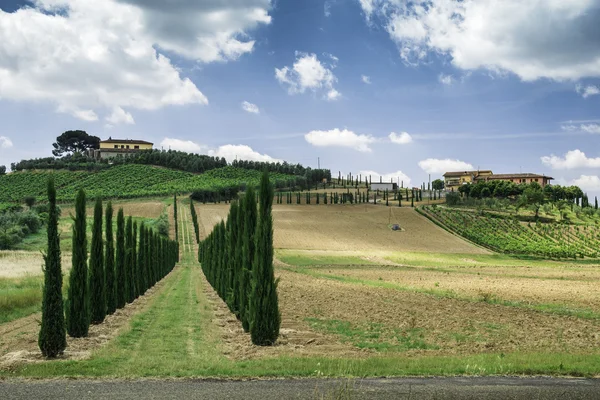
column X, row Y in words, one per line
column 237, row 260
column 108, row 282
column 195, row 220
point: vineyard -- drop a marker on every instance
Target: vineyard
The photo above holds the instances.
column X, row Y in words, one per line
column 508, row 235
column 124, row 181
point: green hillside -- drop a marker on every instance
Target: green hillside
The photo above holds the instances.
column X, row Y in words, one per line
column 124, row 181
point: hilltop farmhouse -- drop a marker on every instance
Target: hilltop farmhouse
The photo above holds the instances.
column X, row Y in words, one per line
column 113, row 147
column 453, row 180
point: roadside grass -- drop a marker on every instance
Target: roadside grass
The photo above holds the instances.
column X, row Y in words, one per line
column 299, row 259
column 373, row 336
column 20, row 297
column 585, row 313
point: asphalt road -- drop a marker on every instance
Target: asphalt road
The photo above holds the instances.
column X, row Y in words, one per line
column 398, row 389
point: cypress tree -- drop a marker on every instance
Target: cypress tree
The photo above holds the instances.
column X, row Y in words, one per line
column 129, row 265
column 596, row 202
column 265, row 319
column 232, row 243
column 78, row 306
column 121, row 274
column 52, row 338
column 239, row 244
column 174, row 217
column 134, row 262
column 109, row 263
column 250, row 215
column 143, row 284
column 97, row 276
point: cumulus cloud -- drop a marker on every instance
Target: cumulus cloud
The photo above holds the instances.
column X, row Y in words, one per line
column 241, row 152
column 308, row 73
column 438, row 166
column 103, row 57
column 500, row 36
column 366, row 79
column 5, row 143
column 398, row 177
column 446, row 79
column 340, row 138
column 587, row 91
column 249, row 107
column 400, row 138
column 572, row 159
column 588, row 183
column 183, row 145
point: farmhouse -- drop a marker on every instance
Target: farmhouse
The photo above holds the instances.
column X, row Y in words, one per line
column 455, row 179
column 113, row 147
column 543, row 180
column 383, row 186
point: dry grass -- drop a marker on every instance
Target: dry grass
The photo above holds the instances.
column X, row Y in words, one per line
column 15, row 264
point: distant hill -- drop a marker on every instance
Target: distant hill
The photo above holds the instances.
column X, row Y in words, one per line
column 128, row 181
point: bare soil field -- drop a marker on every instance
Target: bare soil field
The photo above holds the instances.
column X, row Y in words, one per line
column 387, row 319
column 349, row 227
column 581, row 291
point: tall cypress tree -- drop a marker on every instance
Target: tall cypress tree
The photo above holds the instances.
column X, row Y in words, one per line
column 109, row 262
column 265, row 319
column 129, row 260
column 250, row 215
column 232, row 243
column 97, row 277
column 141, row 262
column 121, row 273
column 78, row 307
column 238, row 248
column 52, row 338
column 134, row 262
column 176, row 223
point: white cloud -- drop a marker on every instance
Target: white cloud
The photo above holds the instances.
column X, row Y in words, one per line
column 340, row 138
column 588, row 128
column 499, row 36
column 92, row 57
column 249, row 107
column 327, row 8
column 241, row 152
column 120, row 116
column 391, row 177
column 401, row 138
column 437, row 166
column 587, row 91
column 182, row 145
column 308, row 73
column 366, row 79
column 5, row 143
column 588, row 183
column 446, row 79
column 572, row 159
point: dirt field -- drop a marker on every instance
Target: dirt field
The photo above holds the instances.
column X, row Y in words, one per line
column 358, row 227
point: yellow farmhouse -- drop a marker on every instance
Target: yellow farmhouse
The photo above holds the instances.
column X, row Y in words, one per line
column 113, row 147
column 455, row 179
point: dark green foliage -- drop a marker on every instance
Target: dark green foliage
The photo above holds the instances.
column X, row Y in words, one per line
column 175, row 218
column 129, row 264
column 265, row 319
column 52, row 338
column 109, row 263
column 195, row 220
column 74, row 141
column 78, row 309
column 141, row 262
column 134, row 262
column 97, row 276
column 121, row 272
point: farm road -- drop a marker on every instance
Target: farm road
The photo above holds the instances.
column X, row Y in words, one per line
column 480, row 388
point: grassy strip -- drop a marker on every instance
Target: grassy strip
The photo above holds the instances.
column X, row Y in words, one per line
column 20, row 297
column 557, row 309
column 306, row 260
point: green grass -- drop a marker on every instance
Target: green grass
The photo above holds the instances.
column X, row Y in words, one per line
column 20, row 297
column 300, row 259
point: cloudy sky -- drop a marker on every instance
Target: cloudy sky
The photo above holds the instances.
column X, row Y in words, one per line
column 392, row 87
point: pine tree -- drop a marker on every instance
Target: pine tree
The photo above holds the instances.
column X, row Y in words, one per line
column 265, row 319
column 52, row 338
column 134, row 262
column 97, row 276
column 109, row 263
column 78, row 306
column 596, row 202
column 120, row 271
column 250, row 216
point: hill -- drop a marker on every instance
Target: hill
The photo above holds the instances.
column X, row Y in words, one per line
column 125, row 181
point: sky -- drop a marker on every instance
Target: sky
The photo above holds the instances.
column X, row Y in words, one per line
column 394, row 88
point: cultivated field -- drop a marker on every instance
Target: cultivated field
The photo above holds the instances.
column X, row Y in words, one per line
column 356, row 298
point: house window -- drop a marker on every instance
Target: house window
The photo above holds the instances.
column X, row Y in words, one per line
column 122, row 146
column 523, row 180
column 138, row 147
column 127, row 146
column 536, row 179
column 116, row 146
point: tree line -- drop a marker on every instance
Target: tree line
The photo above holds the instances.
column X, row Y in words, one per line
column 237, row 260
column 116, row 274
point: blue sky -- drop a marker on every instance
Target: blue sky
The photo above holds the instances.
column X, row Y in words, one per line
column 491, row 84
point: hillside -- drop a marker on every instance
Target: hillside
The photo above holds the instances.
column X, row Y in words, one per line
column 124, row 181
